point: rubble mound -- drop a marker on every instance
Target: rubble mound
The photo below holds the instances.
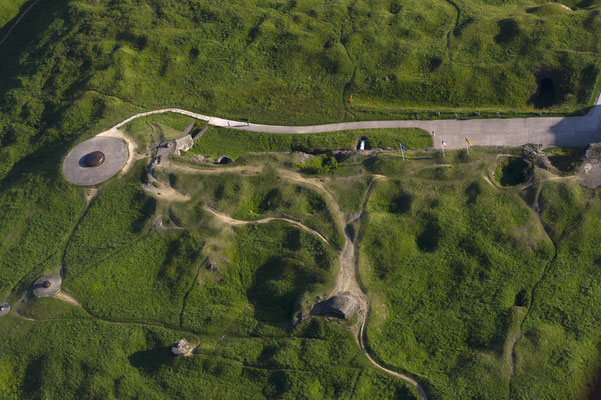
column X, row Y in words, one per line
column 534, row 153
column 344, row 305
column 180, row 348
column 590, row 170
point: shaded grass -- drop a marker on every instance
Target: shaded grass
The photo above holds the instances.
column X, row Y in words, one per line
column 565, row 159
column 135, row 362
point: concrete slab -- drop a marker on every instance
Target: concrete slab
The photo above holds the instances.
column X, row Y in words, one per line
column 47, row 286
column 116, row 155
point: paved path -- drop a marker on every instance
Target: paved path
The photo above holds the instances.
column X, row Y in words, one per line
column 548, row 131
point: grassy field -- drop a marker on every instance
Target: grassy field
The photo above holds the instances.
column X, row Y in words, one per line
column 472, row 291
column 140, row 290
column 479, row 290
column 460, row 272
column 223, row 141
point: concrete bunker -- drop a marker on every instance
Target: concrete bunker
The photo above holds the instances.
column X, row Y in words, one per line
column 180, row 348
column 546, row 92
column 344, row 306
column 47, row 286
column 93, row 159
column 224, row 160
column 363, row 143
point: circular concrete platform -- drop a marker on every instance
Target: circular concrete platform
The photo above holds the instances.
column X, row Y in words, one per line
column 77, row 170
column 47, row 286
column 4, row 309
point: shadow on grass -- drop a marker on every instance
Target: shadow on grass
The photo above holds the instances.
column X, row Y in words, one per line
column 150, row 361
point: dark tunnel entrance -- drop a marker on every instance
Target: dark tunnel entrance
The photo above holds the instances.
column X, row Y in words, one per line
column 545, row 96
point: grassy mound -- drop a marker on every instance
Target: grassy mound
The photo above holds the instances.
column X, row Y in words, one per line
column 219, row 141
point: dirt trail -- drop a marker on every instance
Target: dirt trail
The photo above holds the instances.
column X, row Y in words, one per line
column 346, row 280
column 202, row 170
column 235, row 222
column 67, row 298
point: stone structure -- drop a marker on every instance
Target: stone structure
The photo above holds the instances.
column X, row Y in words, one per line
column 183, row 144
column 189, row 129
column 224, row 160
column 533, row 153
column 590, row 170
column 344, row 305
column 47, row 286
column 180, row 348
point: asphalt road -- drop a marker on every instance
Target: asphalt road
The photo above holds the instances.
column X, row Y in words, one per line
column 547, row 131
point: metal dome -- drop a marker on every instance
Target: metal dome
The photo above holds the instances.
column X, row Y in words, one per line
column 94, row 159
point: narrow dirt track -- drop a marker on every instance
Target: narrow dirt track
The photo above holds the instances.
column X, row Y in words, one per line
column 346, row 281
column 236, row 222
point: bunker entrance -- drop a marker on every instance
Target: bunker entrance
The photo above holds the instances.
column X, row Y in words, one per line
column 224, row 160
column 363, row 143
column 545, row 96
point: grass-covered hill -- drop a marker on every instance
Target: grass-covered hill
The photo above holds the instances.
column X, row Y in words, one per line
column 476, row 290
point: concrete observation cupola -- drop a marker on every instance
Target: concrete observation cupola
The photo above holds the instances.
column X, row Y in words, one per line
column 94, row 159
column 47, row 286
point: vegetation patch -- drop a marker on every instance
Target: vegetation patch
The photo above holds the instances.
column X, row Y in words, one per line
column 565, row 159
column 220, row 141
column 513, row 171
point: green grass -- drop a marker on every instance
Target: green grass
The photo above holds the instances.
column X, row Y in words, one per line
column 559, row 333
column 98, row 360
column 445, row 260
column 454, row 268
column 256, row 197
column 77, row 67
column 513, row 171
column 223, row 141
column 151, row 130
column 437, row 244
column 565, row 159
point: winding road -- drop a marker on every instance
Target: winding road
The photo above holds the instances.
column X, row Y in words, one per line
column 547, row 131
